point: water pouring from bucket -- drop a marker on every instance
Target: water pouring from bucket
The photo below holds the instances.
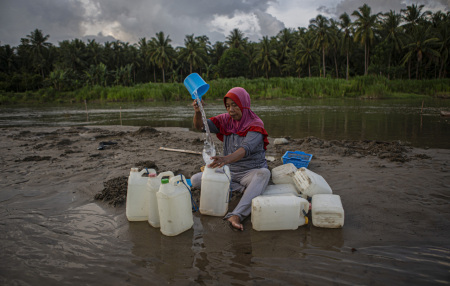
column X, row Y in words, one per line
column 197, row 87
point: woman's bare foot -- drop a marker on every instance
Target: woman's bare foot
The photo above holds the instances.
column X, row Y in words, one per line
column 235, row 222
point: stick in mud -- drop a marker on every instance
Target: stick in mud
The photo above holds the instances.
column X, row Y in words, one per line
column 180, row 150
column 87, row 114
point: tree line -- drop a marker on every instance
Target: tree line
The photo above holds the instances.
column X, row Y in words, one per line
column 411, row 44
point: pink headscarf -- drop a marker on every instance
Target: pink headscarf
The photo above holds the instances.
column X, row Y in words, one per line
column 249, row 120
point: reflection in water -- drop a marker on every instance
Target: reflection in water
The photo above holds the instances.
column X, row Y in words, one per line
column 80, row 242
column 324, row 238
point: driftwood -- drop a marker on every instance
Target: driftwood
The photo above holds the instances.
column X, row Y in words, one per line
column 268, row 158
column 180, row 150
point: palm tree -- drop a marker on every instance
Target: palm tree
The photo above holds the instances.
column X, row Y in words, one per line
column 162, row 52
column 193, row 52
column 7, row 59
column 266, row 56
column 285, row 39
column 251, row 52
column 421, row 43
column 217, row 51
column 393, row 33
column 413, row 16
column 144, row 55
column 334, row 43
column 320, row 25
column 305, row 53
column 236, row 39
column 443, row 33
column 38, row 46
column 366, row 25
column 95, row 52
column 346, row 38
column 73, row 55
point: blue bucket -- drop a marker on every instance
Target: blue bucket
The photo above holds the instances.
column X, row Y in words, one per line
column 194, row 82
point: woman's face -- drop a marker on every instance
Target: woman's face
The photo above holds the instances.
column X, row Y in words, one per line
column 233, row 109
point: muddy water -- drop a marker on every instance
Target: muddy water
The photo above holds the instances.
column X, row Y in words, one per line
column 53, row 232
column 58, row 237
column 88, row 244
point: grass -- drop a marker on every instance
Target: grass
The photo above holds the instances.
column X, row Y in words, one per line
column 373, row 87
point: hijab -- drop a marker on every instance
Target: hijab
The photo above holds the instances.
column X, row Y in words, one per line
column 248, row 122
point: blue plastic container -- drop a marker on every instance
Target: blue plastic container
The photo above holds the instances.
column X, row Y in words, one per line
column 193, row 83
column 298, row 158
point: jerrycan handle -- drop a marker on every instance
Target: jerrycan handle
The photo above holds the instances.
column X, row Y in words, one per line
column 174, row 180
column 304, row 208
column 136, row 174
column 165, row 174
column 142, row 172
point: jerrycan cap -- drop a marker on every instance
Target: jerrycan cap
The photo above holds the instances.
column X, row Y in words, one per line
column 164, row 181
column 152, row 175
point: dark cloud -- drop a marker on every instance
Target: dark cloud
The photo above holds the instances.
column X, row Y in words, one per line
column 376, row 6
column 384, row 6
column 176, row 18
column 128, row 21
column 58, row 18
column 326, row 10
column 269, row 25
column 99, row 38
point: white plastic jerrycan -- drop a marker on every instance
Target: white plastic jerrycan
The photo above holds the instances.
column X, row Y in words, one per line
column 215, row 191
column 309, row 183
column 284, row 174
column 280, row 190
column 154, row 182
column 174, row 206
column 327, row 211
column 137, row 195
column 279, row 212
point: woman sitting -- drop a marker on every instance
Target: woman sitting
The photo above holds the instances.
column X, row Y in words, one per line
column 244, row 144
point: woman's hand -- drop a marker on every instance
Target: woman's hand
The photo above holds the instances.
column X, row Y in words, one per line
column 195, row 105
column 219, row 161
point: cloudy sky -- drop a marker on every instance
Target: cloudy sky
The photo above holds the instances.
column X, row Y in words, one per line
column 128, row 21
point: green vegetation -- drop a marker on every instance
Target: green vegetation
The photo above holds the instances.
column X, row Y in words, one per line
column 261, row 88
column 376, row 56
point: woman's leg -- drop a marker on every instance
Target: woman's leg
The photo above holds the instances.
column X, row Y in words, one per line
column 196, row 180
column 255, row 182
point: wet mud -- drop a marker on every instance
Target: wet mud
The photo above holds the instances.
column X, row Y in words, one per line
column 62, row 218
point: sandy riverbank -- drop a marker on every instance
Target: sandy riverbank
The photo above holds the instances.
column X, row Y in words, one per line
column 392, row 194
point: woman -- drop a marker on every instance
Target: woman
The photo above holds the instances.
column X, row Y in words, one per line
column 244, row 144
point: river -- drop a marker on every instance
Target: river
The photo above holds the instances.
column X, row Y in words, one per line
column 409, row 120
